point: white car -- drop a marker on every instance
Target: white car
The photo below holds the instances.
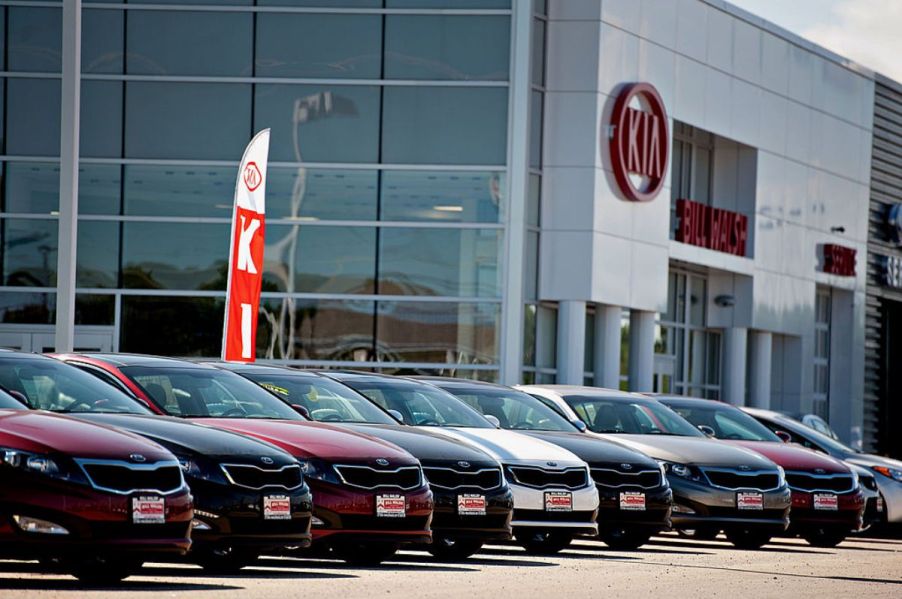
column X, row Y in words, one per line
column 555, row 498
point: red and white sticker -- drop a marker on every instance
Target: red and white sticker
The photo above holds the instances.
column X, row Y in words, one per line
column 471, row 505
column 391, row 506
column 632, row 501
column 148, row 510
column 277, row 507
column 750, row 501
column 558, row 501
column 826, row 501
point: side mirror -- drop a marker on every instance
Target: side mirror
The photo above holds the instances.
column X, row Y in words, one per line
column 579, row 424
column 301, row 410
column 20, row 396
column 495, row 422
column 784, row 436
column 396, row 415
column 707, row 430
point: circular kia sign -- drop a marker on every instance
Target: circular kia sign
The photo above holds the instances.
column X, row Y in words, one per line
column 639, row 141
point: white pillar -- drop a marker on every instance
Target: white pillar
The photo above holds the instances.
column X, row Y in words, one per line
column 607, row 346
column 68, row 207
column 571, row 342
column 642, row 350
column 734, row 356
column 761, row 345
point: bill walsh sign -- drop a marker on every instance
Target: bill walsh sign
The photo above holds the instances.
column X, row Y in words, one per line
column 246, row 253
column 639, row 141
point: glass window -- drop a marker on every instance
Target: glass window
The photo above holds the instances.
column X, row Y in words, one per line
column 31, row 187
column 98, row 189
column 529, row 335
column 33, row 117
column 444, row 125
column 189, row 43
column 535, row 129
column 513, row 409
column 34, row 38
column 447, row 3
column 319, row 45
column 319, row 124
column 29, row 252
column 538, row 52
column 309, row 329
column 28, row 308
column 322, row 3
column 102, row 41
column 322, row 259
column 437, row 332
column 100, row 131
column 175, row 256
column 449, row 262
column 187, row 120
column 321, row 194
column 533, row 201
column 95, row 309
column 629, row 416
column 172, row 326
column 227, row 2
column 179, row 190
column 98, row 254
column 447, row 47
column 531, row 276
column 442, row 195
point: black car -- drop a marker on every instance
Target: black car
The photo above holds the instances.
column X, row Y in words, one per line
column 473, row 502
column 249, row 496
column 634, row 495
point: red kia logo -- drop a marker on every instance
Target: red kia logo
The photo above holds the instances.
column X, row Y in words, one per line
column 252, row 176
column 639, row 141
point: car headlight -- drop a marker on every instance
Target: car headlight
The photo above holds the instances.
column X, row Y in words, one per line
column 781, row 476
column 893, row 473
column 681, row 470
column 36, row 463
column 319, row 470
column 198, row 469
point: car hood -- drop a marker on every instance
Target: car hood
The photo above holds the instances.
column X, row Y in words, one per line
column 868, row 459
column 794, row 457
column 510, row 447
column 425, row 445
column 315, row 440
column 593, row 449
column 186, row 438
column 43, row 432
column 695, row 450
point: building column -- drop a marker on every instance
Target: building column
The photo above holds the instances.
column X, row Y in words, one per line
column 734, row 360
column 571, row 342
column 761, row 345
column 607, row 346
column 642, row 350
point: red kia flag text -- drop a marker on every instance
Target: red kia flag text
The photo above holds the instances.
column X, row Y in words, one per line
column 246, row 254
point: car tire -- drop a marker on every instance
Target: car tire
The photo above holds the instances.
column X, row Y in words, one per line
column 223, row 560
column 103, row 571
column 703, row 533
column 744, row 538
column 624, row 539
column 824, row 537
column 364, row 554
column 451, row 549
column 544, row 542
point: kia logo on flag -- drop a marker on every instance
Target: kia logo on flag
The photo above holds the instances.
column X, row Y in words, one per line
column 252, row 176
column 638, row 142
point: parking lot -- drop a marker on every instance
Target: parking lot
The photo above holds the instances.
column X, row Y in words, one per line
column 669, row 565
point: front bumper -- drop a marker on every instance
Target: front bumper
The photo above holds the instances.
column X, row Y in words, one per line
column 696, row 504
column 530, row 512
column 495, row 525
column 655, row 517
column 891, row 491
column 848, row 515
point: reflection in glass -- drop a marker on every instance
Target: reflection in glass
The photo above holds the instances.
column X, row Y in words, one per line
column 31, row 187
column 304, row 329
column 449, row 262
column 444, row 196
column 538, row 52
column 529, row 335
column 172, row 326
column 95, row 309
column 447, row 47
column 437, row 332
column 33, row 117
column 29, row 252
column 28, row 308
column 447, row 3
column 309, row 194
column 174, row 255
column 102, row 41
column 533, row 200
column 179, row 191
column 100, row 131
column 323, row 3
column 98, row 254
column 34, row 38
column 531, row 276
column 98, row 189
column 535, row 129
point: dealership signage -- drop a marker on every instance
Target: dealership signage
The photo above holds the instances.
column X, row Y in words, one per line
column 639, row 141
column 713, row 228
column 246, row 253
column 894, row 223
column 839, row 260
column 892, row 271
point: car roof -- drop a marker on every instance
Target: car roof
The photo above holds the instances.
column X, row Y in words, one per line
column 448, row 381
column 690, row 401
column 120, row 360
column 564, row 390
column 243, row 367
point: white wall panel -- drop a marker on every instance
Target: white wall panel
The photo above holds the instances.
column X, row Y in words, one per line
column 692, row 29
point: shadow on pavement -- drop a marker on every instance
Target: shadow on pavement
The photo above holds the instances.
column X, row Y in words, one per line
column 769, row 548
column 477, row 560
column 392, row 564
column 255, row 571
column 571, row 553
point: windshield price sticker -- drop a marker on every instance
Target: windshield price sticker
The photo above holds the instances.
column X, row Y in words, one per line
column 148, row 510
column 826, row 501
column 632, row 501
column 750, row 501
column 277, row 507
column 391, row 506
column 558, row 501
column 471, row 505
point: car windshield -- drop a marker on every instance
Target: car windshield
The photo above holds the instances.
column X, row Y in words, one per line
column 630, row 416
column 207, row 393
column 419, row 404
column 513, row 409
column 726, row 422
column 46, row 384
column 809, row 437
column 324, row 399
column 8, row 402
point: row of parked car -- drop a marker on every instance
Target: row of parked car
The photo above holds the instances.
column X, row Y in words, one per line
column 107, row 461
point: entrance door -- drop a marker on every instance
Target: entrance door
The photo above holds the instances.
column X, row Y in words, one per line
column 664, row 367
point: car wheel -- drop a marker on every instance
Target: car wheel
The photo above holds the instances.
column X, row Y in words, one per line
column 824, row 537
column 365, row 554
column 703, row 533
column 449, row 548
column 544, row 542
column 744, row 538
column 101, row 571
column 624, row 539
column 225, row 560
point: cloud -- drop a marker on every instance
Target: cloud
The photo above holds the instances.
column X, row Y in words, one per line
column 866, row 31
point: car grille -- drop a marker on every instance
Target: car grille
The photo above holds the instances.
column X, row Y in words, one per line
column 254, row 477
column 366, row 477
column 124, row 478
column 540, row 478
column 615, row 479
column 735, row 480
column 804, row 481
column 449, row 478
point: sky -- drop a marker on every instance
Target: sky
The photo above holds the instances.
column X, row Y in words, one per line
column 866, row 31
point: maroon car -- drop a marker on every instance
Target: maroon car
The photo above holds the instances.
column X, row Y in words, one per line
column 369, row 496
column 93, row 500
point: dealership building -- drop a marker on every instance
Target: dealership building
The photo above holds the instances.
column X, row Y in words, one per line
column 667, row 195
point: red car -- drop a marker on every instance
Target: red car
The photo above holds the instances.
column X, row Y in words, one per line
column 827, row 502
column 369, row 496
column 94, row 500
